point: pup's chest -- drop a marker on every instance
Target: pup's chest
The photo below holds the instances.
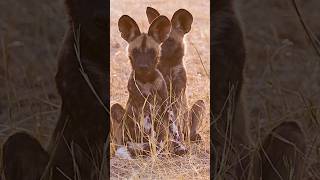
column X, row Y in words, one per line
column 150, row 89
column 147, row 89
column 173, row 74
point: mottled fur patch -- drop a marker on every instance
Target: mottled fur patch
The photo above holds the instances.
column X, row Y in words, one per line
column 143, row 43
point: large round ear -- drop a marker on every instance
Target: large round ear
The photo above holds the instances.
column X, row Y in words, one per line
column 182, row 19
column 152, row 14
column 160, row 28
column 128, row 28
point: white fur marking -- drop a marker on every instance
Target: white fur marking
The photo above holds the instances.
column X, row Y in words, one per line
column 171, row 116
column 123, row 153
column 181, row 147
column 160, row 147
column 173, row 127
column 147, row 124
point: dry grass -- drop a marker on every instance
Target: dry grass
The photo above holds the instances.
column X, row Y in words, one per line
column 194, row 165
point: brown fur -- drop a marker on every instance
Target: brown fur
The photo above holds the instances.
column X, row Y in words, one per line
column 172, row 68
column 82, row 129
column 146, row 86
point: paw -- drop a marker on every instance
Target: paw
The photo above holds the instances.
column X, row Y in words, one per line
column 139, row 149
column 196, row 138
column 180, row 150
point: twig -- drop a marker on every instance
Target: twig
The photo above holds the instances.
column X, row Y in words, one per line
column 205, row 70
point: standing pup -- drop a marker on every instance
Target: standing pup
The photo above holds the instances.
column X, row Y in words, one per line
column 147, row 114
column 171, row 67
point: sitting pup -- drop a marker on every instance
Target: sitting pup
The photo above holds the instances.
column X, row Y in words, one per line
column 147, row 115
column 172, row 68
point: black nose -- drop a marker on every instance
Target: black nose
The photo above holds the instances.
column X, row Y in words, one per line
column 143, row 67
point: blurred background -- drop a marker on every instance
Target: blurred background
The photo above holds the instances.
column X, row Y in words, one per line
column 31, row 33
column 283, row 70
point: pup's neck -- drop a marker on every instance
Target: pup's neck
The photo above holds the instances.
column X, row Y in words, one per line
column 145, row 78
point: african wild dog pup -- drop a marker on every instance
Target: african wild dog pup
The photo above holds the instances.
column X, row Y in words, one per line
column 171, row 67
column 148, row 97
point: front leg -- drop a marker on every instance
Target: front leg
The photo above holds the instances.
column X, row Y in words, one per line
column 148, row 129
column 147, row 125
column 178, row 147
column 171, row 121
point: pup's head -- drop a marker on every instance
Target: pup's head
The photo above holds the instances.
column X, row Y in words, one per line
column 144, row 48
column 181, row 24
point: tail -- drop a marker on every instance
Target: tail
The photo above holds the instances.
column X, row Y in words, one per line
column 194, row 120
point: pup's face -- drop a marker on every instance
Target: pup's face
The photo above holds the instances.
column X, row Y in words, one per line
column 144, row 54
column 181, row 24
column 144, row 48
